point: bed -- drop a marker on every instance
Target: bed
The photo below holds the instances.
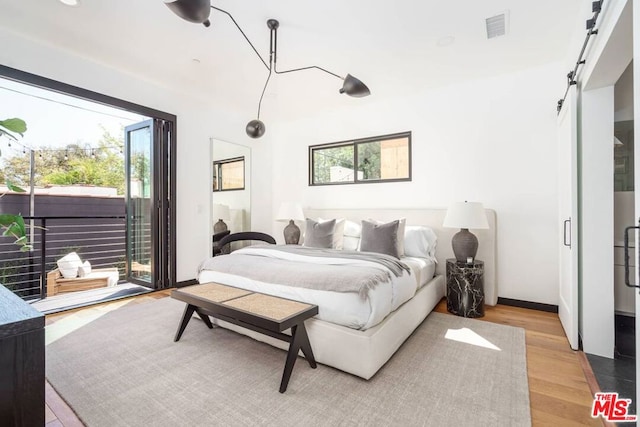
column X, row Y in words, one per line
column 353, row 332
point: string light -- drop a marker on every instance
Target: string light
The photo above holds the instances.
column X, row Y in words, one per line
column 89, row 151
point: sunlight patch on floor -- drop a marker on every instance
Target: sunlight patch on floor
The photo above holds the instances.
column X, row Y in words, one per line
column 75, row 321
column 467, row 336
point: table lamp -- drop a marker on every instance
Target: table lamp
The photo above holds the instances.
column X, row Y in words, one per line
column 290, row 211
column 221, row 212
column 465, row 215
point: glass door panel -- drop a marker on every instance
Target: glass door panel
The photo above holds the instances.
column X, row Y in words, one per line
column 140, row 241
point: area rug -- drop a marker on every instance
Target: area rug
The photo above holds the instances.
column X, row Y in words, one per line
column 123, row 369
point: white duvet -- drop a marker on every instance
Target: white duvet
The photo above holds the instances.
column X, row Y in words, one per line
column 343, row 308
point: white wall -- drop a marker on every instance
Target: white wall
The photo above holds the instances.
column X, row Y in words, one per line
column 196, row 123
column 490, row 140
column 624, row 95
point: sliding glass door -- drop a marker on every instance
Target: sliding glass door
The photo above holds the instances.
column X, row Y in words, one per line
column 147, row 202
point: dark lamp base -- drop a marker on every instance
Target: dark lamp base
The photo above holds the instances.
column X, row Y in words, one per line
column 219, row 227
column 291, row 233
column 465, row 245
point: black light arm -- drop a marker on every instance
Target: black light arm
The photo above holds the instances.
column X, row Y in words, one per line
column 307, row 68
column 245, row 36
column 352, row 86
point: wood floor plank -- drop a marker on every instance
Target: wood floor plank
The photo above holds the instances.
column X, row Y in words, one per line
column 568, row 411
column 543, row 418
column 577, row 395
column 547, row 341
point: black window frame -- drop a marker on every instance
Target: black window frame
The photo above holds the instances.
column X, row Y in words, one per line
column 355, row 143
column 217, row 171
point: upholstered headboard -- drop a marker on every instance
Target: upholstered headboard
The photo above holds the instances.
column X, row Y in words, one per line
column 432, row 218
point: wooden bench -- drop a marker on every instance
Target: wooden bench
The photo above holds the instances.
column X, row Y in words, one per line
column 258, row 312
column 98, row 278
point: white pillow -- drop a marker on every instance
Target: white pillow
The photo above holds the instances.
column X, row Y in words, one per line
column 401, row 228
column 420, row 241
column 68, row 273
column 68, row 265
column 85, row 269
column 338, row 232
column 352, row 233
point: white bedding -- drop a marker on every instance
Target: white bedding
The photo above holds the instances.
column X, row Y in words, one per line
column 342, row 308
column 424, row 269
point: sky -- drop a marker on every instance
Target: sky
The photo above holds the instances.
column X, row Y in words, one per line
column 55, row 120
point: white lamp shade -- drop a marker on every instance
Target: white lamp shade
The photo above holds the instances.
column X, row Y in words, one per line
column 290, row 210
column 466, row 215
column 221, row 212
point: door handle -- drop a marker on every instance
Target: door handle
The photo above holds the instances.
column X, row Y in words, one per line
column 626, row 257
column 564, row 239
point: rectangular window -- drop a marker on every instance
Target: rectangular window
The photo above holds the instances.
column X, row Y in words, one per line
column 228, row 174
column 378, row 159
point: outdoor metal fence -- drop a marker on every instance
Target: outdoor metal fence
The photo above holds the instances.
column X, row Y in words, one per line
column 97, row 239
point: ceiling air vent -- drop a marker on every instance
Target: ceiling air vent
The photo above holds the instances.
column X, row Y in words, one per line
column 497, row 25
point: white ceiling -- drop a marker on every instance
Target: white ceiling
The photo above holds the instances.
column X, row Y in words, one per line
column 391, row 46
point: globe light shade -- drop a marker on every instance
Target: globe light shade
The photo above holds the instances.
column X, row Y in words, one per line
column 354, row 87
column 255, row 128
column 196, row 11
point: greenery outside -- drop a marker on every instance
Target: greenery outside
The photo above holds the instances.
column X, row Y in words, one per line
column 13, row 225
column 343, row 156
column 75, row 164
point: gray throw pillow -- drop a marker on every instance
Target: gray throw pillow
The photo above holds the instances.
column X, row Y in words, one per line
column 319, row 234
column 381, row 238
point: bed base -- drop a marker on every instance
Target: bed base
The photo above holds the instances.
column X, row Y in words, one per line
column 362, row 353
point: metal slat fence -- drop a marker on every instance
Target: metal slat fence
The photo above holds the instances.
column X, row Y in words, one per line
column 97, row 239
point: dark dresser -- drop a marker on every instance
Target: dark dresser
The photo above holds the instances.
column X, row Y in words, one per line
column 21, row 362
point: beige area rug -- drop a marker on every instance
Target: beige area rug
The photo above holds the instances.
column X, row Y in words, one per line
column 123, row 369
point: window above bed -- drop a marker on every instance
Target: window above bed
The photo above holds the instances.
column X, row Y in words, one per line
column 377, row 159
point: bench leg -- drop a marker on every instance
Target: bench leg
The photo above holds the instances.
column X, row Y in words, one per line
column 205, row 319
column 188, row 312
column 305, row 346
column 299, row 340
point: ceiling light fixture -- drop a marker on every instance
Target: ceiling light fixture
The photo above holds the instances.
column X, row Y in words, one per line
column 197, row 11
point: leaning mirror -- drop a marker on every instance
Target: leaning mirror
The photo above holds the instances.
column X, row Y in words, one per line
column 230, row 187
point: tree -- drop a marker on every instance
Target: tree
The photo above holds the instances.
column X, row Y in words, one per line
column 369, row 160
column 325, row 158
column 75, row 164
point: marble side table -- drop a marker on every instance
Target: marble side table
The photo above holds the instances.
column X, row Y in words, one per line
column 465, row 288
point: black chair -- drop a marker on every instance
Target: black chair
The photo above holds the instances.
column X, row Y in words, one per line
column 246, row 235
column 217, row 247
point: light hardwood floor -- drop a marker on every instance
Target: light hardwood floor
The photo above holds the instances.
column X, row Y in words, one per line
column 559, row 378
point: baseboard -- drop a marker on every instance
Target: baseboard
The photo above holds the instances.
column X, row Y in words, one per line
column 550, row 308
column 186, row 283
